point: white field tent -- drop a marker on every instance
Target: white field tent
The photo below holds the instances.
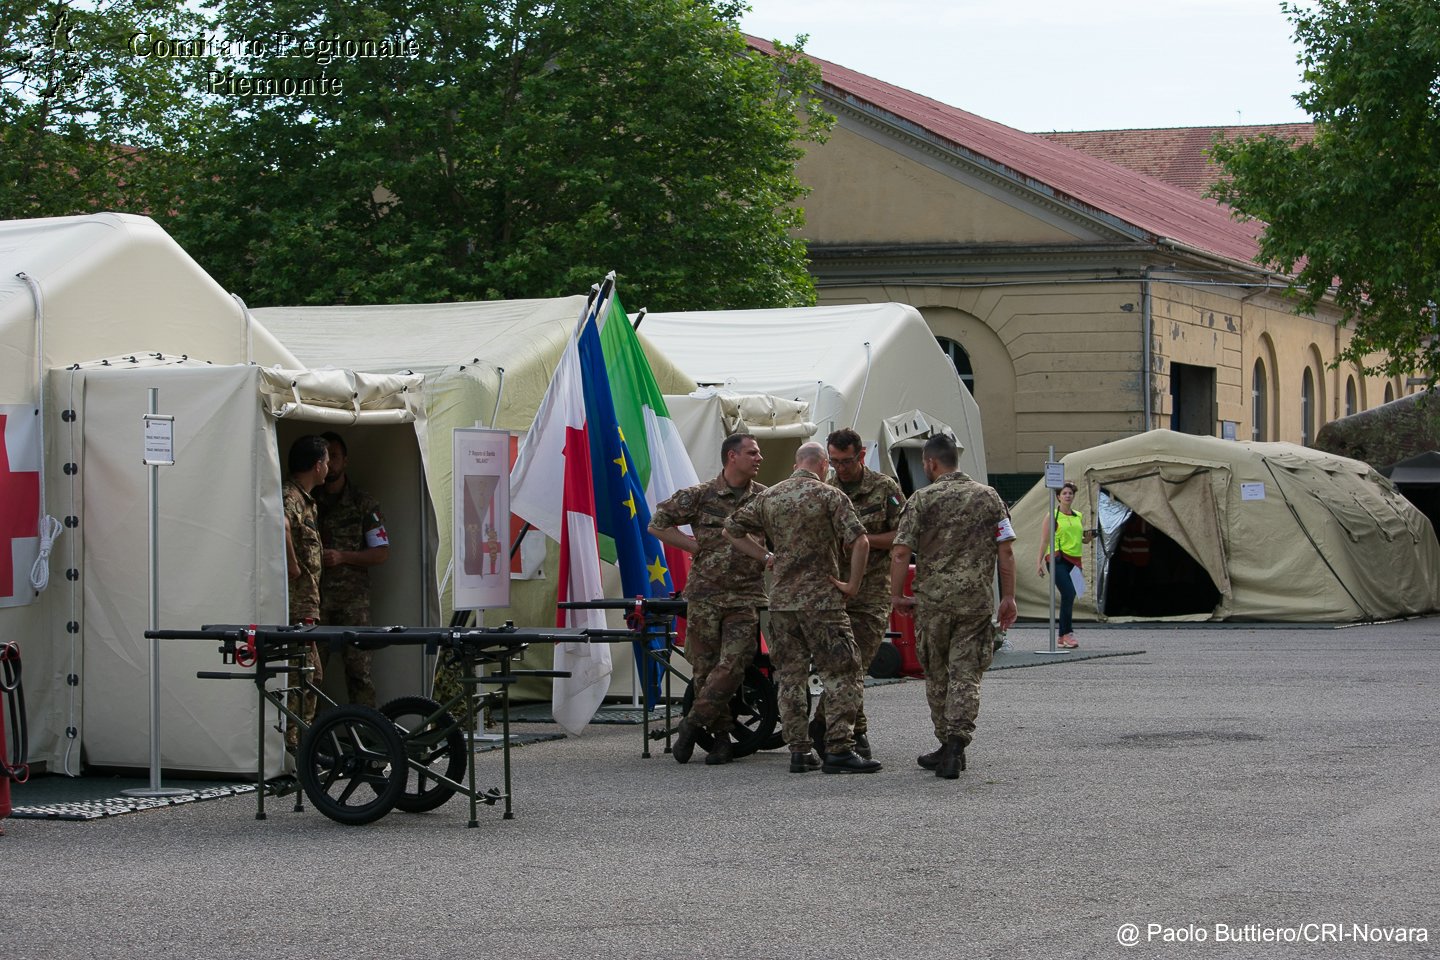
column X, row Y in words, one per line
column 95, row 311
column 854, row 366
column 1238, row 530
column 485, row 363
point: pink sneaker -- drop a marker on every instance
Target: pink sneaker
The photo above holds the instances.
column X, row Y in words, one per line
column 1068, row 641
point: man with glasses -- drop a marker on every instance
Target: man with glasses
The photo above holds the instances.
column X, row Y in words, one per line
column 877, row 500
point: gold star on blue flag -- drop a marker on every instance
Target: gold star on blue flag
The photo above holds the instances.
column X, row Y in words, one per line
column 658, row 570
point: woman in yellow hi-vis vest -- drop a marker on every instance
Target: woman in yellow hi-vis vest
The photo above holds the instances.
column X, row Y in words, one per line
column 1069, row 539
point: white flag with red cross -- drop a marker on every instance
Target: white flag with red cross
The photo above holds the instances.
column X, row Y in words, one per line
column 19, row 502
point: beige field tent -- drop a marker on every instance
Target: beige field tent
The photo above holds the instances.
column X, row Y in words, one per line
column 482, row 362
column 873, row 367
column 96, row 311
column 1257, row 531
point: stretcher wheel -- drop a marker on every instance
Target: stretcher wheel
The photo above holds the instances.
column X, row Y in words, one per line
column 755, row 709
column 351, row 763
column 437, row 745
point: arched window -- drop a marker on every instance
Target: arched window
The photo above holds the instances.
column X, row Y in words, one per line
column 960, row 359
column 1307, row 407
column 1351, row 404
column 1389, row 392
column 1258, row 411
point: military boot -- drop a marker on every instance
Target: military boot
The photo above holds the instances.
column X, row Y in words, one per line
column 862, row 745
column 930, row 760
column 722, row 751
column 952, row 759
column 804, row 762
column 684, row 746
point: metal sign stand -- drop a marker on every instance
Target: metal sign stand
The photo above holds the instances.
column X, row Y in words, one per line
column 1054, row 480
column 159, row 452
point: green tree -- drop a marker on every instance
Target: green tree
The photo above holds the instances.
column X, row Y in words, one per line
column 504, row 148
column 1359, row 207
column 83, row 97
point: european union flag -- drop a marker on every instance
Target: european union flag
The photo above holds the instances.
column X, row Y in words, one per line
column 620, row 509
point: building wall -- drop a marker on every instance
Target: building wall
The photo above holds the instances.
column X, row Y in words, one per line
column 1050, row 305
column 1061, row 362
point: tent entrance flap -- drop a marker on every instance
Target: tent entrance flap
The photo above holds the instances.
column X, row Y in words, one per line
column 1147, row 574
column 1176, row 528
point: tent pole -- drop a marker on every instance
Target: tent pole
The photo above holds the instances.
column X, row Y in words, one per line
column 155, row 789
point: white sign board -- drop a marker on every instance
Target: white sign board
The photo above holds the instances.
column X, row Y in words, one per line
column 1054, row 475
column 1252, row 491
column 481, row 518
column 159, row 440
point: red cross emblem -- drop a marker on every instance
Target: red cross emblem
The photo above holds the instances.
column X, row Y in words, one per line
column 19, row 510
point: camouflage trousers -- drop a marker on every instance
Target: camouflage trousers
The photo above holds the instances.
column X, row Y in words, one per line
column 719, row 643
column 955, row 650
column 869, row 631
column 304, row 703
column 359, row 683
column 822, row 637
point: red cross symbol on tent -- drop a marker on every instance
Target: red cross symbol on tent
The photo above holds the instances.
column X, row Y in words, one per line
column 19, row 511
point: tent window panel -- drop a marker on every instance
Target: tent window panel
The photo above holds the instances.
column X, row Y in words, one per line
column 1393, row 520
column 1354, row 519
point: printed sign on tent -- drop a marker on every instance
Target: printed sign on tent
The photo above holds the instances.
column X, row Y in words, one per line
column 481, row 518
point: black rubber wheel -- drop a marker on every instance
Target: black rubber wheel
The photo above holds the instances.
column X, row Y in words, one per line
column 438, row 745
column 755, row 709
column 346, row 749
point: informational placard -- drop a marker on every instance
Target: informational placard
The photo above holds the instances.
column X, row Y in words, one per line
column 481, row 518
column 1252, row 491
column 1054, row 475
column 159, row 440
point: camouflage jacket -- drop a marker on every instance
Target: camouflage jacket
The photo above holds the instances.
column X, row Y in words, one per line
column 718, row 572
column 349, row 520
column 807, row 521
column 954, row 528
column 878, row 501
column 305, row 537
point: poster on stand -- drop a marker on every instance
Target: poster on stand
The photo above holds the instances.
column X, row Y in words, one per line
column 481, row 518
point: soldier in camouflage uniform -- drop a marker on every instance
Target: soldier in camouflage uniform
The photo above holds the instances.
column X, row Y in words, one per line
column 960, row 532
column 877, row 500
column 808, row 521
column 308, row 463
column 724, row 592
column 353, row 535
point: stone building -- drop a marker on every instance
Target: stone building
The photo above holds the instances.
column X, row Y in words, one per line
column 1081, row 301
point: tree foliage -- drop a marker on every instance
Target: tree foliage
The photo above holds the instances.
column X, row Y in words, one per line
column 1359, row 207
column 515, row 148
column 79, row 106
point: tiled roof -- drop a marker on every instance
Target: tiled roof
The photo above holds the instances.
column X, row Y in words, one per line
column 1152, row 207
column 1176, row 155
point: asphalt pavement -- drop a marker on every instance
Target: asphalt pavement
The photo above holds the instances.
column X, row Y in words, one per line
column 1231, row 792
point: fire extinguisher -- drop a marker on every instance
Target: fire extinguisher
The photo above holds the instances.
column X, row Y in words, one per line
column 14, row 749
